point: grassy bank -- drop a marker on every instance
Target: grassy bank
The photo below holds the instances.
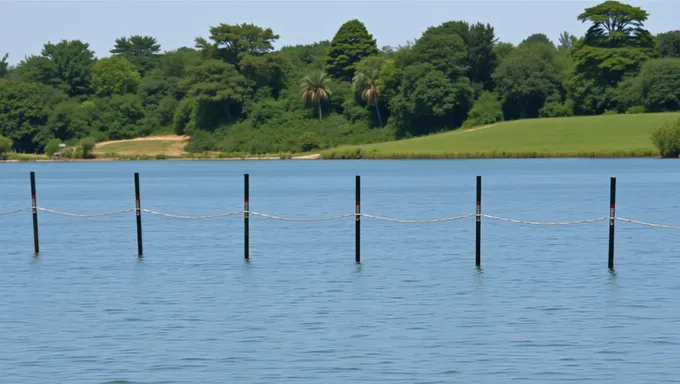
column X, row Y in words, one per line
column 588, row 136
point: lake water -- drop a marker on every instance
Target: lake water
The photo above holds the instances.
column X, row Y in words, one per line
column 543, row 308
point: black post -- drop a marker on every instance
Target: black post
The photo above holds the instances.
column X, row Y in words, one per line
column 357, row 222
column 36, row 242
column 246, row 211
column 478, row 224
column 139, row 216
column 612, row 220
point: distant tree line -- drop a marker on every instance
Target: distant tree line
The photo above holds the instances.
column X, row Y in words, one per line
column 233, row 91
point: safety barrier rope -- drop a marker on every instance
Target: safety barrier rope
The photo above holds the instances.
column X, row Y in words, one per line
column 190, row 217
column 339, row 217
column 84, row 214
column 545, row 222
column 15, row 211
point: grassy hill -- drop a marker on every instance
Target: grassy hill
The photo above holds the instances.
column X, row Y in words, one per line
column 587, row 136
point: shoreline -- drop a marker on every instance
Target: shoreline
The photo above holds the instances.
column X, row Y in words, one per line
column 364, row 156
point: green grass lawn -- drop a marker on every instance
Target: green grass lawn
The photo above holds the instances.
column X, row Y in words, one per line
column 587, row 136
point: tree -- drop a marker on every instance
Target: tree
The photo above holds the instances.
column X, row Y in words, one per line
column 444, row 50
column 5, row 146
column 524, row 81
column 316, row 89
column 114, row 75
column 616, row 25
column 24, row 109
column 69, row 120
column 615, row 46
column 536, row 38
column 566, row 41
column 660, row 85
column 232, row 43
column 366, row 82
column 668, row 42
column 72, row 60
column 218, row 89
column 141, row 51
column 39, row 69
column 88, row 145
column 502, row 50
column 481, row 57
column 4, row 66
column 350, row 44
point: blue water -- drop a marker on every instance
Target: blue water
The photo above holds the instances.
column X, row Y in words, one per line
column 543, row 307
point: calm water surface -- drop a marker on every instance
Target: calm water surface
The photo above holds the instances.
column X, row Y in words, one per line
column 543, row 308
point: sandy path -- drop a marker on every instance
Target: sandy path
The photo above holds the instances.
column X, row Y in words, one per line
column 147, row 138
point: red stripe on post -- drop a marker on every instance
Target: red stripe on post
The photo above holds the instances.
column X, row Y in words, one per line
column 245, row 200
column 612, row 206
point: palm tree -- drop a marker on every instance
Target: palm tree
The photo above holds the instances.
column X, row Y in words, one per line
column 366, row 81
column 316, row 89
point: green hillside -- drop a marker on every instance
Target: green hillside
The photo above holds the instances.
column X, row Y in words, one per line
column 588, row 136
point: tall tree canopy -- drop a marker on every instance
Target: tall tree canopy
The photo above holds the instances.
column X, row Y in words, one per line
column 350, row 44
column 72, row 61
column 141, row 51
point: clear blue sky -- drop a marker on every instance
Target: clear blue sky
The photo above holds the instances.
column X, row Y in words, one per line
column 26, row 25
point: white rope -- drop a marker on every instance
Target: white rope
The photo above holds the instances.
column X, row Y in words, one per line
column 191, row 217
column 407, row 221
column 545, row 223
column 15, row 211
column 301, row 219
column 84, row 215
column 647, row 224
column 417, row 221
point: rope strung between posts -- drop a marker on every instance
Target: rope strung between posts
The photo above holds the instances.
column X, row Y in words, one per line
column 85, row 214
column 648, row 224
column 266, row 216
column 191, row 217
column 339, row 217
column 545, row 223
column 417, row 221
column 15, row 211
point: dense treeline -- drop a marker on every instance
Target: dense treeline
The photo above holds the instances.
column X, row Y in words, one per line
column 234, row 92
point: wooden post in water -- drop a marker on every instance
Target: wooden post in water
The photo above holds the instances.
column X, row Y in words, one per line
column 612, row 220
column 34, row 207
column 138, row 211
column 357, row 221
column 246, row 212
column 478, row 224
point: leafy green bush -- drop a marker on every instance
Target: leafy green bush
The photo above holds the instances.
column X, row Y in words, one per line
column 488, row 109
column 52, row 147
column 202, row 141
column 555, row 110
column 667, row 139
column 87, row 145
column 635, row 110
column 5, row 145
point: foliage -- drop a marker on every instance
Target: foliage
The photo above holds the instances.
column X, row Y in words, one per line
column 668, row 43
column 5, row 145
column 141, row 51
column 52, row 147
column 488, row 109
column 660, row 85
column 315, row 90
column 87, row 145
column 114, row 75
column 350, row 44
column 667, row 139
column 4, row 66
column 232, row 91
